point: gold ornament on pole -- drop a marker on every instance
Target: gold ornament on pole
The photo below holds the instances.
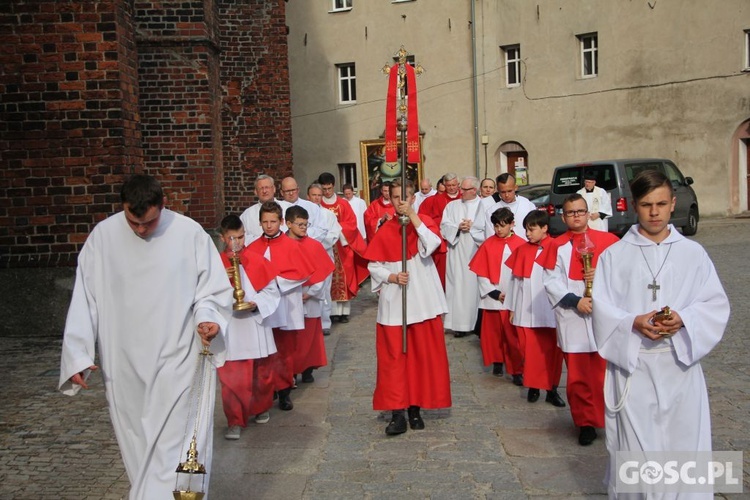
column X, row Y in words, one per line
column 234, row 275
column 585, row 249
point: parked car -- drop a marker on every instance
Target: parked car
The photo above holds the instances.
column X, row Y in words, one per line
column 615, row 176
column 538, row 194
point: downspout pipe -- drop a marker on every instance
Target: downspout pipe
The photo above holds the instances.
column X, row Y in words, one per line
column 475, row 86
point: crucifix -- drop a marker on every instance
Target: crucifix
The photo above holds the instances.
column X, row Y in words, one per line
column 654, row 288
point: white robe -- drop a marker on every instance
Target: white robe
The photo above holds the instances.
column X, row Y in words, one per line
column 359, row 206
column 461, row 286
column 574, row 330
column 520, row 208
column 424, row 292
column 333, row 232
column 486, row 286
column 598, row 201
column 419, row 197
column 249, row 335
column 527, row 299
column 251, row 221
column 141, row 301
column 667, row 406
column 315, row 225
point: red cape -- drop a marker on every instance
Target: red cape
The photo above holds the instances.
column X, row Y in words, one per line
column 488, row 259
column 259, row 270
column 386, row 244
column 521, row 261
column 433, row 207
column 287, row 255
column 601, row 240
column 317, row 253
column 374, row 213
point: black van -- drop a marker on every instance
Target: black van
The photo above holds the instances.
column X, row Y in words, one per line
column 615, row 177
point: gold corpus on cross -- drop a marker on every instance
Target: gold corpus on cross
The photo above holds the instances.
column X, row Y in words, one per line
column 402, row 56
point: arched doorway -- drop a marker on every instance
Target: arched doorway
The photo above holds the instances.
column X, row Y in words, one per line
column 513, row 158
column 740, row 169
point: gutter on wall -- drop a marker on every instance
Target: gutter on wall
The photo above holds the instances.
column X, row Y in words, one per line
column 475, row 87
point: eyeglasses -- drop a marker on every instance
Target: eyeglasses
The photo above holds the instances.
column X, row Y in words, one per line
column 301, row 225
column 575, row 213
column 289, row 191
column 468, row 189
column 237, row 238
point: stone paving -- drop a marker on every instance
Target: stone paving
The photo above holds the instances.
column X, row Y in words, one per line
column 490, row 444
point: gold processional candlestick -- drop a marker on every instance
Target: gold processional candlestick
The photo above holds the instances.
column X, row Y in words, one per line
column 585, row 248
column 239, row 293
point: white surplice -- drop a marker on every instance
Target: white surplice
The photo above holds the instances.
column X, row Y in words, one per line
column 251, row 220
column 503, row 285
column 359, row 206
column 655, row 390
column 461, row 286
column 141, row 301
column 520, row 208
column 598, row 201
column 527, row 298
column 249, row 335
column 419, row 197
column 330, row 223
column 424, row 293
column 315, row 225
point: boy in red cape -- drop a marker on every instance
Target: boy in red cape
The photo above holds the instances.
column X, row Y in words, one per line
column 498, row 339
column 418, row 378
column 564, row 282
column 532, row 314
column 294, row 270
column 311, row 349
column 247, row 377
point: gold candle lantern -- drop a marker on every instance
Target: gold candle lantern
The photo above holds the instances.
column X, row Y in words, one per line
column 234, row 271
column 585, row 249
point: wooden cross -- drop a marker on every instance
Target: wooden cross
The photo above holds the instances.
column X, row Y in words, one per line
column 653, row 287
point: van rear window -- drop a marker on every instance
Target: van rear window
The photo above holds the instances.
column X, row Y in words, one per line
column 633, row 169
column 568, row 180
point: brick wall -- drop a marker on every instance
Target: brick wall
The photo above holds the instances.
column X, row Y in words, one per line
column 195, row 93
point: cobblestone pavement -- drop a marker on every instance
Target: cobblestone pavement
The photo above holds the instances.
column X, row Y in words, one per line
column 490, row 444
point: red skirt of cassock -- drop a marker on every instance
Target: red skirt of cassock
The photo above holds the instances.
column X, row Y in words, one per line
column 286, row 346
column 311, row 347
column 418, row 378
column 499, row 341
column 542, row 363
column 585, row 387
column 247, row 387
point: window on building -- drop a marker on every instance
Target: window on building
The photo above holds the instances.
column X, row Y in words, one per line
column 348, row 174
column 747, row 50
column 341, row 5
column 589, row 55
column 512, row 56
column 401, row 1
column 347, row 83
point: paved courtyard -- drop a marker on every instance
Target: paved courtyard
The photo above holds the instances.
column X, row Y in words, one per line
column 490, row 444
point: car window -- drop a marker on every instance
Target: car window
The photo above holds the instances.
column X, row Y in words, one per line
column 568, row 180
column 633, row 169
column 674, row 175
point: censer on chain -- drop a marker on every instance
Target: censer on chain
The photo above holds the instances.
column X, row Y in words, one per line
column 190, row 467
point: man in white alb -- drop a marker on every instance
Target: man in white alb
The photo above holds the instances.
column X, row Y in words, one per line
column 654, row 391
column 520, row 206
column 265, row 190
column 358, row 205
column 598, row 201
column 425, row 191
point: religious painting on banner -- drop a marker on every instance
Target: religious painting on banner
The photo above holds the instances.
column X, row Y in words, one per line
column 375, row 170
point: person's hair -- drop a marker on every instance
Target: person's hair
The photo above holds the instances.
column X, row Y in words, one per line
column 441, row 181
column 347, row 186
column 296, row 212
column 504, row 178
column 488, row 179
column 647, row 181
column 265, row 176
column 502, row 216
column 315, row 185
column 409, row 185
column 474, row 181
column 449, row 177
column 231, row 222
column 589, row 175
column 387, row 184
column 573, row 198
column 326, row 178
column 270, row 207
column 536, row 218
column 141, row 192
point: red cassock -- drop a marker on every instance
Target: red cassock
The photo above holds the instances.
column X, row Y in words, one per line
column 421, row 376
column 247, row 385
column 433, row 207
column 499, row 339
column 374, row 213
column 349, row 271
column 585, row 385
column 311, row 348
column 542, row 357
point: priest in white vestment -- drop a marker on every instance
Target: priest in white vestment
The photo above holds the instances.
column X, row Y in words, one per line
column 520, row 206
column 425, row 191
column 655, row 391
column 358, row 206
column 265, row 190
column 598, row 202
column 462, row 227
column 150, row 287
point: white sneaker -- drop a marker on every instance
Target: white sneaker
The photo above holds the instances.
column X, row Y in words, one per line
column 262, row 418
column 233, row 432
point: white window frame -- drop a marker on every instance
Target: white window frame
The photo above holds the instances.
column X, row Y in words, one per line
column 512, row 56
column 591, row 52
column 341, row 5
column 349, row 80
column 746, row 62
column 348, row 174
column 401, row 1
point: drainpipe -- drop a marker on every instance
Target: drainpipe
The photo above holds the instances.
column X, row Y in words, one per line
column 475, row 86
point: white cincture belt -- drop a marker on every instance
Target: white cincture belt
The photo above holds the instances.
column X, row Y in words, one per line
column 667, row 347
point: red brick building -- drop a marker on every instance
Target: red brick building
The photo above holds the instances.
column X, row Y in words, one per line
column 193, row 92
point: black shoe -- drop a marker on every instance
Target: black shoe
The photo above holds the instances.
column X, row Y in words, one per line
column 285, row 402
column 335, row 319
column 533, row 396
column 326, row 332
column 497, row 369
column 415, row 419
column 344, row 318
column 518, row 379
column 587, row 436
column 397, row 425
column 307, row 376
column 554, row 399
column 459, row 335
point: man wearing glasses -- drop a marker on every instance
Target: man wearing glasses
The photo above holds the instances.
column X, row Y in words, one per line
column 290, row 194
